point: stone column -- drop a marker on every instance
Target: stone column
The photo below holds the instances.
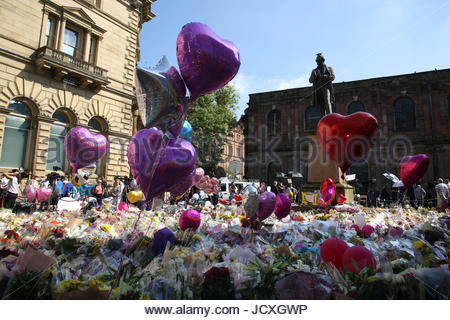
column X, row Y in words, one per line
column 62, row 28
column 42, row 139
column 87, row 45
column 44, row 28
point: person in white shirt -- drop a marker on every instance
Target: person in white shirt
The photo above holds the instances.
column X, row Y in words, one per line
column 12, row 190
column 3, row 185
column 442, row 194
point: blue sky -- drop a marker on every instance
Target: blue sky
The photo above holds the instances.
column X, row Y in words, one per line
column 278, row 40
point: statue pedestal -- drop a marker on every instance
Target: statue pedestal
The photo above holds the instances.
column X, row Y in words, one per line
column 322, row 168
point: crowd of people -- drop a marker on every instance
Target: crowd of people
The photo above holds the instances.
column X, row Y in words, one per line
column 93, row 190
column 433, row 195
column 12, row 188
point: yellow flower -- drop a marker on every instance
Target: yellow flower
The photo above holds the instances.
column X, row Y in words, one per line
column 107, row 228
column 418, row 245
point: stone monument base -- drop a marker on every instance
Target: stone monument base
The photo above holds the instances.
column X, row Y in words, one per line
column 323, row 168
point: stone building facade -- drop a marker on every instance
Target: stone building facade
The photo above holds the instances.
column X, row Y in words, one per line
column 233, row 158
column 66, row 63
column 413, row 111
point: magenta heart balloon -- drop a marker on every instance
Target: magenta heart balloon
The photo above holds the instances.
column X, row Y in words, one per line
column 267, row 202
column 159, row 165
column 30, row 193
column 43, row 194
column 282, row 205
column 189, row 219
column 206, row 61
column 82, row 147
column 413, row 168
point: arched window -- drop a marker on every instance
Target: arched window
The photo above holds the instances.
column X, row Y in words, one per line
column 274, row 123
column 99, row 125
column 312, row 118
column 56, row 157
column 355, row 106
column 405, row 114
column 95, row 125
column 16, row 135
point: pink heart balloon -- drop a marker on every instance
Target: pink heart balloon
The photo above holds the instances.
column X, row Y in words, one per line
column 413, row 168
column 206, row 61
column 30, row 193
column 43, row 194
column 82, row 147
column 199, row 173
column 267, row 202
column 159, row 165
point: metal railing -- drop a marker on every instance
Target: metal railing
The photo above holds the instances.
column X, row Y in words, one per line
column 61, row 57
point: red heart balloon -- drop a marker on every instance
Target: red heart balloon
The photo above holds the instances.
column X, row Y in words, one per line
column 341, row 199
column 327, row 192
column 413, row 168
column 347, row 138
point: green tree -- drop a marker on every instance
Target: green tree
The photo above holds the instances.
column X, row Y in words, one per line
column 212, row 117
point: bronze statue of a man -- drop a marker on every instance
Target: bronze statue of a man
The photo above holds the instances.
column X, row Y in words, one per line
column 321, row 78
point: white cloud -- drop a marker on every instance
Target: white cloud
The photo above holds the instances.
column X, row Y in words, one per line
column 246, row 84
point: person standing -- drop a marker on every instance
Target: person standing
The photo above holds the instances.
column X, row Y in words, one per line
column 98, row 191
column 442, row 194
column 3, row 189
column 12, row 189
column 419, row 195
column 118, row 188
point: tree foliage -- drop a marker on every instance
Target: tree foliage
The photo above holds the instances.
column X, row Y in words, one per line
column 212, row 117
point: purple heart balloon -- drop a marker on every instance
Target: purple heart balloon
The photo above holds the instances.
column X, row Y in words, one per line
column 182, row 185
column 206, row 61
column 159, row 165
column 282, row 206
column 267, row 202
column 82, row 147
column 160, row 240
column 413, row 168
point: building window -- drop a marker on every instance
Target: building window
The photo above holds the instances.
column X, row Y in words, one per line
column 230, row 150
column 355, row 106
column 71, row 42
column 56, row 156
column 99, row 125
column 405, row 114
column 93, row 50
column 274, row 123
column 50, row 35
column 312, row 118
column 95, row 125
column 16, row 135
column 239, row 152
